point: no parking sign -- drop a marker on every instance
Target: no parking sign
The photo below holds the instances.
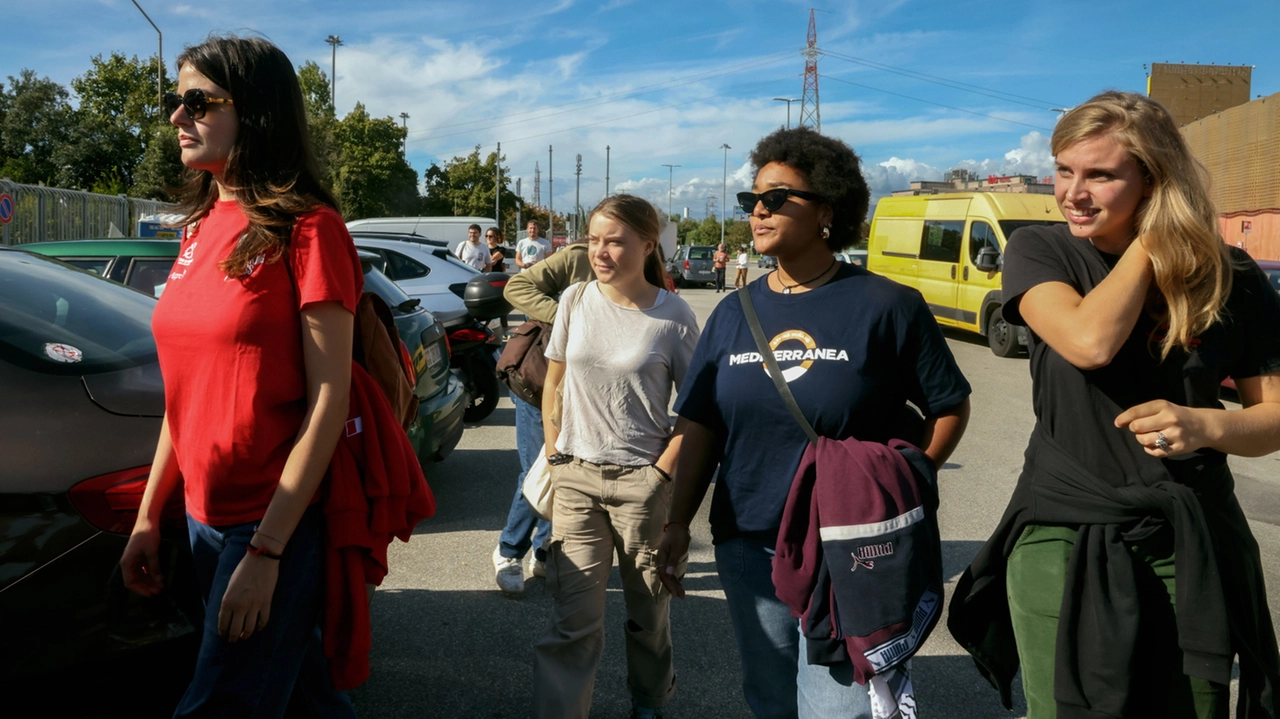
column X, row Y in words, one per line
column 6, row 208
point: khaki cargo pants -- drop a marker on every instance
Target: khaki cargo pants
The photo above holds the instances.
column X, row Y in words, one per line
column 600, row 509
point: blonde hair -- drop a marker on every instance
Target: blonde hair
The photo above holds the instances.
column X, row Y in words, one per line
column 1177, row 224
column 642, row 217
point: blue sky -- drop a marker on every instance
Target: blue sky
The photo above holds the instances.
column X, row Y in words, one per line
column 670, row 82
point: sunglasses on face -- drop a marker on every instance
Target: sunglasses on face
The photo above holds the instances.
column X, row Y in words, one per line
column 194, row 101
column 772, row 199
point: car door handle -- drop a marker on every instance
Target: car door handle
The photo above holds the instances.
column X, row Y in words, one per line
column 966, row 273
column 953, row 272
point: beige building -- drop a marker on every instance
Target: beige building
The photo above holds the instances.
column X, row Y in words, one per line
column 1192, row 92
column 1240, row 147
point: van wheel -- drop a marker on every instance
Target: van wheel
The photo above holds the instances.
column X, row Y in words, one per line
column 1002, row 338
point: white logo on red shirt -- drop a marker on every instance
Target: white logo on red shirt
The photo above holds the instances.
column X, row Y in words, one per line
column 185, row 260
column 254, row 264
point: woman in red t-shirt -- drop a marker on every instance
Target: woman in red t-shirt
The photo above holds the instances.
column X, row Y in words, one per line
column 254, row 335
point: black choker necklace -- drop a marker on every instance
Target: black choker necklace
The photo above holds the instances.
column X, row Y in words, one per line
column 786, row 289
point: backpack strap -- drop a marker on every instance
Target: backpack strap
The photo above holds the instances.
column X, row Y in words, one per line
column 771, row 362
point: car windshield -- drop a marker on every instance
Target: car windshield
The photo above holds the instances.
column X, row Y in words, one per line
column 57, row 320
column 1008, row 226
column 701, row 253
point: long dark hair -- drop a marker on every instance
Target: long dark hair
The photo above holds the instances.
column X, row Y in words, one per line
column 271, row 169
column 642, row 217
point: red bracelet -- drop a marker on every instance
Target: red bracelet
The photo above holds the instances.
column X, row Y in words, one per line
column 261, row 552
column 668, row 524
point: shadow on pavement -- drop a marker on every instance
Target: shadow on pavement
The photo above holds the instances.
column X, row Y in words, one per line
column 480, row 499
column 470, row 654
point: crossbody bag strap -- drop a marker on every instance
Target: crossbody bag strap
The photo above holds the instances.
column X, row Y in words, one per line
column 771, row 362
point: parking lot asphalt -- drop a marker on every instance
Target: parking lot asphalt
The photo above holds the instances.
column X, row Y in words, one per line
column 447, row 643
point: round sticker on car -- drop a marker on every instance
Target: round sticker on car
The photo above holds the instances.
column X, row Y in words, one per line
column 59, row 352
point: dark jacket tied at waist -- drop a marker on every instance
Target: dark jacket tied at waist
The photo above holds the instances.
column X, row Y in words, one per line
column 1221, row 601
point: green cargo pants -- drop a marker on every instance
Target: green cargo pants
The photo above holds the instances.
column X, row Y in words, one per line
column 1036, row 574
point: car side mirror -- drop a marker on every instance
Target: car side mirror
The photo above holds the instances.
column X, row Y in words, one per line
column 989, row 259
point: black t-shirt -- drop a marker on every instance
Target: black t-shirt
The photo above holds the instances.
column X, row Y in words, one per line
column 1078, row 407
column 853, row 351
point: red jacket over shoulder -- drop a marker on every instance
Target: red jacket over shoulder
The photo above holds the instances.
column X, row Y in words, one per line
column 375, row 491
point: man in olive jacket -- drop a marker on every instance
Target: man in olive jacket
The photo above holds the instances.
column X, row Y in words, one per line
column 535, row 292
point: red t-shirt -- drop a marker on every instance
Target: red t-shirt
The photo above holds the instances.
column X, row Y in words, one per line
column 719, row 260
column 231, row 355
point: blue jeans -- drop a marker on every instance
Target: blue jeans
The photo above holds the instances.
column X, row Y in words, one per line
column 777, row 680
column 258, row 676
column 521, row 520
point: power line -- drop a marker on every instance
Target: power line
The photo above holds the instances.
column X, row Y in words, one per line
column 931, row 102
column 953, row 84
column 578, row 105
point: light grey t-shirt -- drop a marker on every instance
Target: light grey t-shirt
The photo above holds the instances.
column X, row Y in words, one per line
column 620, row 367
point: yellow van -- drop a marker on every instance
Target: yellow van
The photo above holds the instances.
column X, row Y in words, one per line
column 950, row 247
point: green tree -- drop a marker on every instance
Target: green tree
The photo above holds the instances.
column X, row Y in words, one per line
column 36, row 121
column 465, row 186
column 371, row 177
column 686, row 231
column 159, row 173
column 321, row 120
column 737, row 234
column 533, row 212
column 116, row 121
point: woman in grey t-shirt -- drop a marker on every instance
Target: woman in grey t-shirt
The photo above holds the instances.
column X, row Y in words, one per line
column 619, row 347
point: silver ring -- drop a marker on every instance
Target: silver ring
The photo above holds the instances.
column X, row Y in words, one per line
column 1162, row 444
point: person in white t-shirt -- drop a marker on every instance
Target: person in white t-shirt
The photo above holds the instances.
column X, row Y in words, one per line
column 740, row 279
column 619, row 346
column 532, row 249
column 472, row 252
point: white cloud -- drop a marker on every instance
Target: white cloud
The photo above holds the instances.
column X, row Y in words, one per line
column 462, row 94
column 1031, row 157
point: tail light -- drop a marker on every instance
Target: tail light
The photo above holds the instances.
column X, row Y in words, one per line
column 407, row 361
column 448, row 346
column 469, row 334
column 498, row 283
column 686, row 265
column 111, row 502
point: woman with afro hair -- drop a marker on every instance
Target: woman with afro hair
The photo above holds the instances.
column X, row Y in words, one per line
column 880, row 348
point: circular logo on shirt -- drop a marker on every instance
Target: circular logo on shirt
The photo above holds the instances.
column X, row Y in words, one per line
column 793, row 373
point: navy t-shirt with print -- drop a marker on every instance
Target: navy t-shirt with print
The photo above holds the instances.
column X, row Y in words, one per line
column 853, row 351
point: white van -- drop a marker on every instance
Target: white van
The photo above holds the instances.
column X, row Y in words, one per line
column 450, row 230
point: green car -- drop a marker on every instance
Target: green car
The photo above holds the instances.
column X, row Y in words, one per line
column 144, row 265
column 141, row 264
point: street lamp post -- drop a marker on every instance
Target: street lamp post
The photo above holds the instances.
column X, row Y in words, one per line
column 577, row 199
column 551, row 200
column 724, row 191
column 787, row 100
column 497, row 187
column 404, row 122
column 670, row 185
column 335, row 41
column 159, row 57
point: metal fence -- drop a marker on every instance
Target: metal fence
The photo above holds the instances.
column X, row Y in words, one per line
column 41, row 214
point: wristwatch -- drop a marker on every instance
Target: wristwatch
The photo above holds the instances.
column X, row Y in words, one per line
column 559, row 458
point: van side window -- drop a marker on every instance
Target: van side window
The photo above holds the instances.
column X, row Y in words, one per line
column 981, row 235
column 941, row 240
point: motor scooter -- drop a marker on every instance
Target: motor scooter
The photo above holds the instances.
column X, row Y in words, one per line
column 473, row 347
